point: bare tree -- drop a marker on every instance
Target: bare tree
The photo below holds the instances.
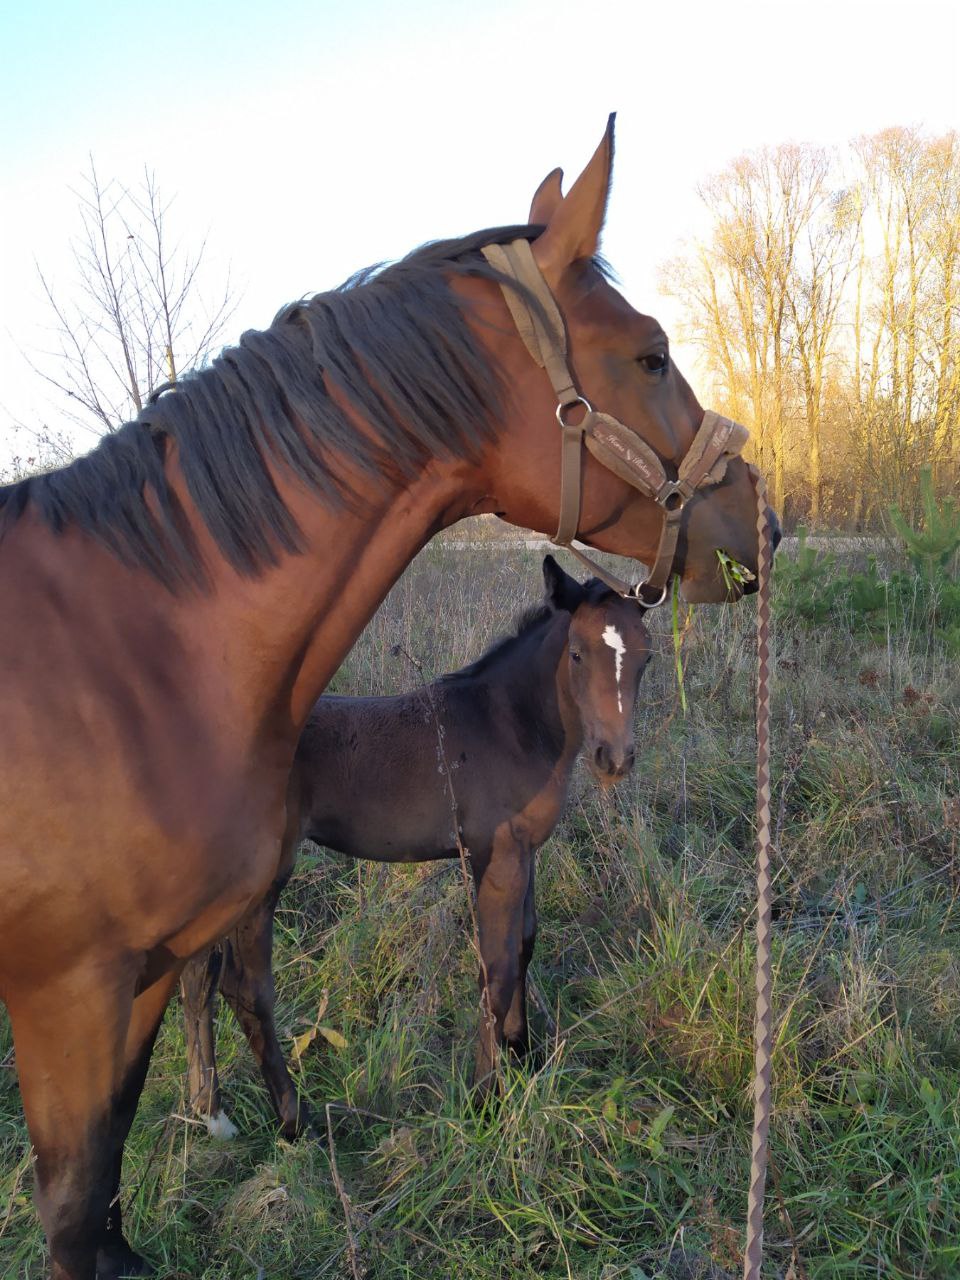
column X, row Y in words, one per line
column 942, row 236
column 907, row 343
column 762, row 293
column 135, row 314
column 815, row 289
column 824, row 296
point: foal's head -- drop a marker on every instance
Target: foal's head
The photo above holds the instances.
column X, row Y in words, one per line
column 608, row 648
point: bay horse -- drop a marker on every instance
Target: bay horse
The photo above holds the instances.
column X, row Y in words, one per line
column 174, row 603
column 480, row 759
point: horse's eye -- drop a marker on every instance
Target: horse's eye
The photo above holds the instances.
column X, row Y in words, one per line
column 656, row 362
column 575, row 655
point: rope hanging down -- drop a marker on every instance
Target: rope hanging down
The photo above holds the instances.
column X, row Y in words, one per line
column 753, row 1254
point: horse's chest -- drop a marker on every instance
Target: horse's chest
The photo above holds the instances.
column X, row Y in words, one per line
column 156, row 816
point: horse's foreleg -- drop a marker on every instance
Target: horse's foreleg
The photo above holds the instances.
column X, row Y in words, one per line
column 199, row 983
column 502, row 884
column 70, row 1033
column 115, row 1258
column 515, row 1031
column 247, row 985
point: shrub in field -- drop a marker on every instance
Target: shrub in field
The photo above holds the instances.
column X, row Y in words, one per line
column 811, row 587
column 935, row 545
column 804, row 587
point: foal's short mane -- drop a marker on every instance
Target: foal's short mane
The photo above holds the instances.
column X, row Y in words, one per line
column 531, row 619
column 393, row 340
column 528, row 620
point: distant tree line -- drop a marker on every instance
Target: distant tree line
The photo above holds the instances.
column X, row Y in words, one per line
column 823, row 297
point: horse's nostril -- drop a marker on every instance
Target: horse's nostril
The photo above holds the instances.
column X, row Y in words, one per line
column 602, row 758
column 629, row 760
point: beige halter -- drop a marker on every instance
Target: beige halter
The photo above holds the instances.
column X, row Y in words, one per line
column 612, row 443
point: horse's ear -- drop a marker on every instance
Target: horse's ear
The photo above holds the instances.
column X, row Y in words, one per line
column 547, row 198
column 563, row 592
column 573, row 229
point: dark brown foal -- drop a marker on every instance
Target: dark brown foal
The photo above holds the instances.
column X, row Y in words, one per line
column 491, row 749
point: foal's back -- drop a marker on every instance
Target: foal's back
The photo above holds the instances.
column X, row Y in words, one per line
column 388, row 778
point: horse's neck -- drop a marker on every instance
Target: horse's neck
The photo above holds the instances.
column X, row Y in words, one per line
column 300, row 620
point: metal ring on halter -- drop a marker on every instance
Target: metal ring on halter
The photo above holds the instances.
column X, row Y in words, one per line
column 648, row 604
column 572, row 404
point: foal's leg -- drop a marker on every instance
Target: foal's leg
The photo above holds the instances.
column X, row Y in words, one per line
column 515, row 1024
column 199, row 984
column 502, row 884
column 115, row 1258
column 70, row 1035
column 247, row 985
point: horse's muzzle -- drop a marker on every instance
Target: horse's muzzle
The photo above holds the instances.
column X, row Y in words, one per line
column 776, row 537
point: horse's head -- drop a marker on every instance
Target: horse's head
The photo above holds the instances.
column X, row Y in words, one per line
column 608, row 648
column 619, row 362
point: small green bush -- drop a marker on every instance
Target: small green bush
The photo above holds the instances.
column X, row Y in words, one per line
column 923, row 596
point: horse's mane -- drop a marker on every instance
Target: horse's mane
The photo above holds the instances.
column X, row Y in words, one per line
column 392, row 340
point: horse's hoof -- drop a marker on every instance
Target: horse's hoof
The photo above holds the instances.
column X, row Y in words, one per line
column 118, row 1260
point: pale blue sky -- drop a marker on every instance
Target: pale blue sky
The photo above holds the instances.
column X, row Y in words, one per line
column 306, row 140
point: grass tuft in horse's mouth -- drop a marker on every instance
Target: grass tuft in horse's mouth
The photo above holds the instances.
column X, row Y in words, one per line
column 736, row 576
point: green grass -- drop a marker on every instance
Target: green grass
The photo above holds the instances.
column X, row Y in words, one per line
column 622, row 1148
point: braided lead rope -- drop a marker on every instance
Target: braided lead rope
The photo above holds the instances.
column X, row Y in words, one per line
column 753, row 1254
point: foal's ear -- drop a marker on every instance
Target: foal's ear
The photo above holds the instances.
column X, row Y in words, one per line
column 575, row 222
column 563, row 592
column 547, row 199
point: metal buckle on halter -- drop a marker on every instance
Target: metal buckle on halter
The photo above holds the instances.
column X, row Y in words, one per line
column 669, row 490
column 572, row 404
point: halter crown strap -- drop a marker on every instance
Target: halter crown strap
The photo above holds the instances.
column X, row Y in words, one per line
column 542, row 330
column 614, row 445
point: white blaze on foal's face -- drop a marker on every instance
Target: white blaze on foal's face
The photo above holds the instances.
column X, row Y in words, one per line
column 614, row 639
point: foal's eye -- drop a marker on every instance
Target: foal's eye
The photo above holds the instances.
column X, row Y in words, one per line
column 575, row 655
column 656, row 362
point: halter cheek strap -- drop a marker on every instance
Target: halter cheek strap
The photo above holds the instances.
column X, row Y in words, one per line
column 616, row 446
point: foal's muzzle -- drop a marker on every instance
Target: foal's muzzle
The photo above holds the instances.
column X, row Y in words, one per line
column 611, row 763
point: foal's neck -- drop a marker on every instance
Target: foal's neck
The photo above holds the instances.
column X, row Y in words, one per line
column 536, row 680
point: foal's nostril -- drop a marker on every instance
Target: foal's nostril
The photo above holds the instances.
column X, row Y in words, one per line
column 612, row 765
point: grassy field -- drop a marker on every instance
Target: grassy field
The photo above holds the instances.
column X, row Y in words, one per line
column 622, row 1148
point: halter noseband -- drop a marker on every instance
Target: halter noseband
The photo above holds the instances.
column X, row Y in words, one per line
column 614, row 445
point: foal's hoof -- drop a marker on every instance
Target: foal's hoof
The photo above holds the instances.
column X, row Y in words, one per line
column 485, row 1087
column 518, row 1049
column 117, row 1260
column 300, row 1125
